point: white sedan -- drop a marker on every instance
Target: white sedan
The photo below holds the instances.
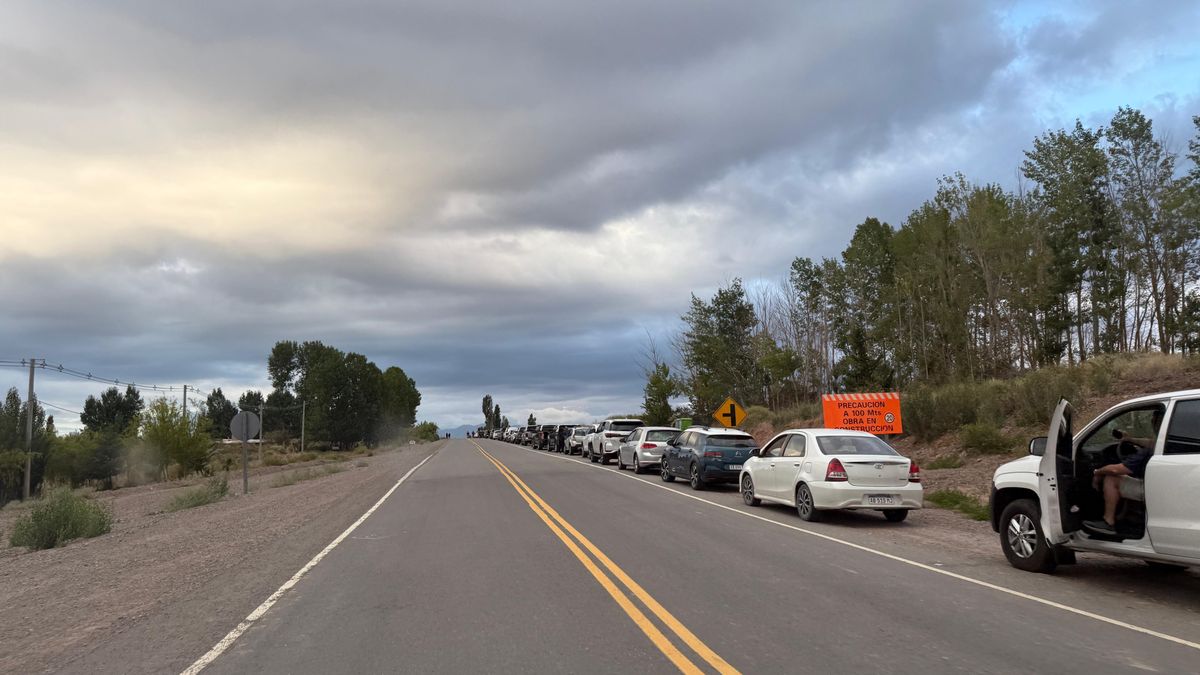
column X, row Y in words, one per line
column 643, row 447
column 821, row 469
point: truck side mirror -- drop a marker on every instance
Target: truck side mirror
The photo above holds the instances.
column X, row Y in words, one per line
column 1037, row 446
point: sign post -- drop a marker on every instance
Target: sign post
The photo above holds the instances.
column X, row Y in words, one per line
column 244, row 426
column 730, row 415
column 873, row 413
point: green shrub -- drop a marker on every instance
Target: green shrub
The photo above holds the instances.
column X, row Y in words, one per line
column 1033, row 397
column 993, row 403
column 1100, row 372
column 957, row 500
column 58, row 518
column 985, row 438
column 917, row 410
column 756, row 415
column 945, row 462
column 930, row 412
column 212, row 491
column 958, row 404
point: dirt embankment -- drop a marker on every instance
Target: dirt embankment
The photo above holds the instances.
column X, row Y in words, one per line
column 61, row 604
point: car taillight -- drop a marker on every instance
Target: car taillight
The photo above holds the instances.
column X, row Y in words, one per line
column 714, row 453
column 649, row 446
column 835, row 471
column 914, row 472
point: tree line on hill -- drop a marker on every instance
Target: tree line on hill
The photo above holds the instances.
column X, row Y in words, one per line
column 1098, row 253
column 348, row 400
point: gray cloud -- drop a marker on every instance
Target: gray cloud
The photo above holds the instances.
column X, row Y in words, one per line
column 499, row 198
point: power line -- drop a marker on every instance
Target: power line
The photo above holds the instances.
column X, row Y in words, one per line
column 59, row 407
column 86, row 375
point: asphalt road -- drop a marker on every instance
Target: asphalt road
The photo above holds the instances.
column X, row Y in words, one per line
column 531, row 562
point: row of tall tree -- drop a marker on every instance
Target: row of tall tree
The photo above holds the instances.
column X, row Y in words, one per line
column 347, row 398
column 14, row 416
column 1098, row 252
column 120, row 435
column 492, row 417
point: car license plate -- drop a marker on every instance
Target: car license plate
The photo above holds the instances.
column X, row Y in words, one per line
column 881, row 500
column 735, row 467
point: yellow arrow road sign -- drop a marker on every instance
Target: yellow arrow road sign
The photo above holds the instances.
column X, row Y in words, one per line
column 730, row 414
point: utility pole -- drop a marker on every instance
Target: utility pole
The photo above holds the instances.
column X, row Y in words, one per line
column 29, row 408
column 185, row 417
column 262, row 429
column 303, row 413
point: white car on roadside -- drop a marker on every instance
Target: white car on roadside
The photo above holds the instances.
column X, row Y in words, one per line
column 815, row 470
column 643, row 447
column 578, row 437
column 1046, row 506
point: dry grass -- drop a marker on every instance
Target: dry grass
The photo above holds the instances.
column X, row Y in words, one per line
column 307, row 473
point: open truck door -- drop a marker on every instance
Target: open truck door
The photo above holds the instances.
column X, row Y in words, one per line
column 1056, row 477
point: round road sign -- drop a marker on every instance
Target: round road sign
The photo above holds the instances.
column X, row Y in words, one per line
column 244, row 426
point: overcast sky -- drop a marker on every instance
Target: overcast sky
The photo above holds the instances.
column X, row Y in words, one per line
column 497, row 197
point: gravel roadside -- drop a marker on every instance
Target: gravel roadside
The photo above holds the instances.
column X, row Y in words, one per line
column 111, row 604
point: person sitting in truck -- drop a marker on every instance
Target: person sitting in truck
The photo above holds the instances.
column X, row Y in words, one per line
column 1124, row 479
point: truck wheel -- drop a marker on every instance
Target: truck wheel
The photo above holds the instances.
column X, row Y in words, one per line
column 1022, row 539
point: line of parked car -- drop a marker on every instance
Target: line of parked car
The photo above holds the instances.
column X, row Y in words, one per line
column 811, row 470
column 1128, row 484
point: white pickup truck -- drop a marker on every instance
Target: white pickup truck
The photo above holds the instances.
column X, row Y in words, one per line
column 1041, row 504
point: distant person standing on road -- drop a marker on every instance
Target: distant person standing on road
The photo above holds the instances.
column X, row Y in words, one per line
column 563, row 432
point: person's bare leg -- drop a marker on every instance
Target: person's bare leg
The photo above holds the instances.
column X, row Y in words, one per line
column 1112, row 495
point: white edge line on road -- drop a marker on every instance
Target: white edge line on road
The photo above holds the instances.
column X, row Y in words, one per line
column 890, row 556
column 219, row 648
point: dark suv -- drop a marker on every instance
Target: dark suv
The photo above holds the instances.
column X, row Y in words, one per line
column 705, row 456
column 544, row 439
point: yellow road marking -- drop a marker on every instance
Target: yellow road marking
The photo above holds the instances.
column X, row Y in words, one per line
column 661, row 612
column 643, row 622
column 883, row 554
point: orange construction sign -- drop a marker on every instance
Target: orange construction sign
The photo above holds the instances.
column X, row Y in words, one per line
column 873, row 413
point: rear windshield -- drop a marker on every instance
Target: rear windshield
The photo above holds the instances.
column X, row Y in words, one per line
column 661, row 435
column 854, row 445
column 731, row 442
column 581, row 431
column 626, row 426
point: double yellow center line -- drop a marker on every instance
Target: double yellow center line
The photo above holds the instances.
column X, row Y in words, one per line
column 561, row 528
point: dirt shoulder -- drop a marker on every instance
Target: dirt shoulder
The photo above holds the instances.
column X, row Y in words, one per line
column 87, row 606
